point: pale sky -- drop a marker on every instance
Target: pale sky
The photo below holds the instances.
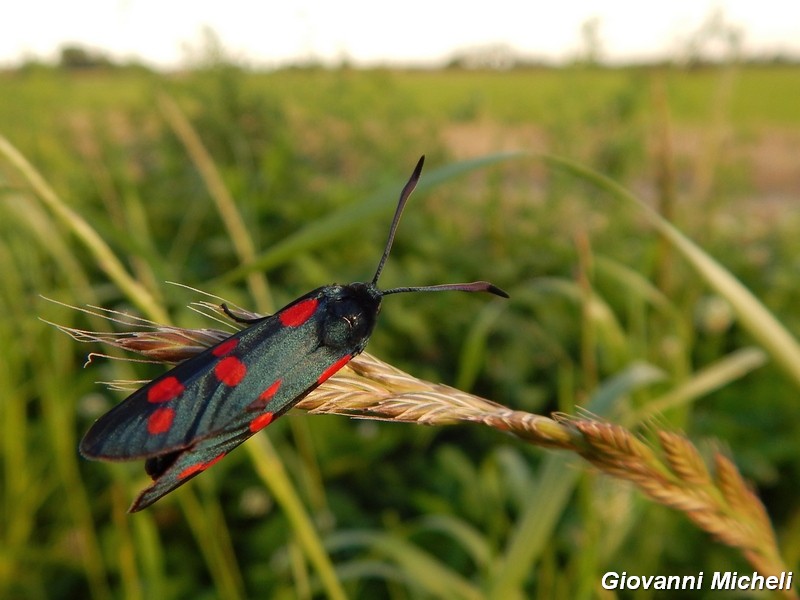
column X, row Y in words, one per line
column 272, row 33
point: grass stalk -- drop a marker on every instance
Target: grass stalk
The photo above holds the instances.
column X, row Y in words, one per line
column 92, row 240
column 226, row 207
column 752, row 314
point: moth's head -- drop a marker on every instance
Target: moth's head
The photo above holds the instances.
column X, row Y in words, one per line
column 350, row 315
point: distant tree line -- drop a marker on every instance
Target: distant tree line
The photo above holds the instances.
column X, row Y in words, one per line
column 76, row 57
column 499, row 57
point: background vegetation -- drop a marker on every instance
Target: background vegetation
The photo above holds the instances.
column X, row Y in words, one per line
column 313, row 160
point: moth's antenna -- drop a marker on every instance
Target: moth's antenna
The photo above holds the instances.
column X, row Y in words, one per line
column 475, row 286
column 407, row 189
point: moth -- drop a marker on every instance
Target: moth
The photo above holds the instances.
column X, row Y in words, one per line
column 192, row 416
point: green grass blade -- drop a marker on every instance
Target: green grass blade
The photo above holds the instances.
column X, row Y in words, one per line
column 206, row 527
column 226, row 207
column 719, row 374
column 105, row 257
column 422, row 569
column 473, row 351
column 470, row 539
column 752, row 314
column 271, row 471
column 557, row 479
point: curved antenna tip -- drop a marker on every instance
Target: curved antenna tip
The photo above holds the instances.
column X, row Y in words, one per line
column 493, row 289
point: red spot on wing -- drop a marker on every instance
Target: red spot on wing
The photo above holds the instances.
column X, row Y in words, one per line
column 201, row 466
column 165, row 389
column 261, row 421
column 334, row 367
column 225, row 347
column 268, row 393
column 265, row 396
column 299, row 313
column 230, row 370
column 160, row 421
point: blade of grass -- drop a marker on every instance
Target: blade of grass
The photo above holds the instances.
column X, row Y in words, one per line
column 130, row 578
column 23, row 497
column 752, row 314
column 105, row 257
column 557, row 478
column 424, row 570
column 730, row 368
column 150, row 553
column 473, row 351
column 595, row 310
column 470, row 539
column 237, row 231
column 62, row 443
column 271, row 471
column 206, row 528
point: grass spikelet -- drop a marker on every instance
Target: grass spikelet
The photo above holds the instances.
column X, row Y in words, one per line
column 684, row 459
column 371, row 389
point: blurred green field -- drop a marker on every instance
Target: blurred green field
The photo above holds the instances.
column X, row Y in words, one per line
column 400, row 511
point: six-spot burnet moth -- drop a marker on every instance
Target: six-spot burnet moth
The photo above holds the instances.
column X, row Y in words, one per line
column 189, row 418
